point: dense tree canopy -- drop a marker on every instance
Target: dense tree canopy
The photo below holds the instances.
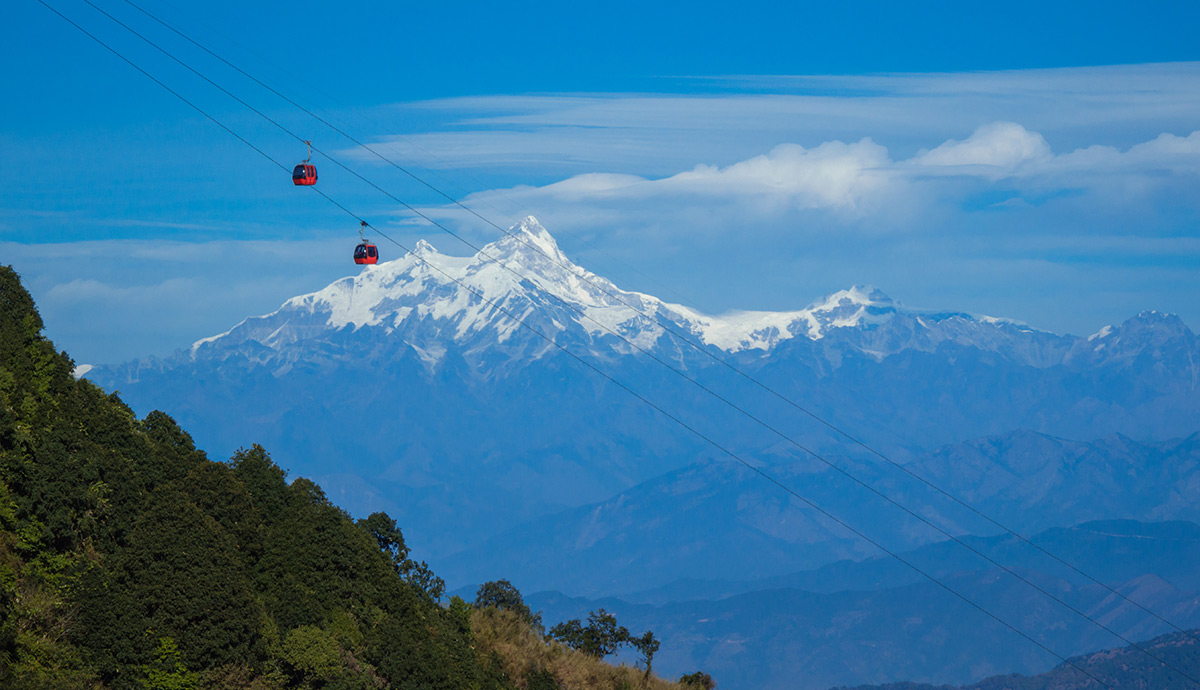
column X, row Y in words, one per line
column 128, row 559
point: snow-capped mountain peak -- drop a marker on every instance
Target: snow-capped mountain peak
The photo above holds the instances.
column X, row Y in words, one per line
column 849, row 308
column 423, row 248
column 856, row 295
column 527, row 240
column 429, row 301
column 428, row 295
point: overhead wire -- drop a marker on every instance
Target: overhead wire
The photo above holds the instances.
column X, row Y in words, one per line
column 591, row 366
column 355, row 140
column 290, row 101
column 360, row 144
column 629, row 342
column 666, row 326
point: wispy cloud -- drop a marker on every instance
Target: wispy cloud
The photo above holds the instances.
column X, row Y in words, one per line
column 657, row 133
column 860, row 182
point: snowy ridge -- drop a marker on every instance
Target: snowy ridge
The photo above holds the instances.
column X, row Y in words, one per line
column 427, row 299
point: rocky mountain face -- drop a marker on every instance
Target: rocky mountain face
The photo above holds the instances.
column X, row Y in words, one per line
column 409, row 387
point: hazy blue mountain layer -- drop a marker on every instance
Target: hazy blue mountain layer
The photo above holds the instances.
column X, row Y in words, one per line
column 718, row 520
column 877, row 621
column 1126, row 667
column 400, row 389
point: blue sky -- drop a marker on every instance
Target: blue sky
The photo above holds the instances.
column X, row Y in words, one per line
column 1019, row 160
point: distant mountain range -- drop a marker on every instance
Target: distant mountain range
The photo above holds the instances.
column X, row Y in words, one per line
column 877, row 621
column 718, row 520
column 1124, row 667
column 409, row 388
column 401, row 390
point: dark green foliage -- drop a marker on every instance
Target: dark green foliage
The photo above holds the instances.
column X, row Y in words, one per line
column 602, row 636
column 648, row 646
column 183, row 571
column 599, row 638
column 501, row 594
column 216, row 491
column 422, row 578
column 128, row 560
column 699, row 680
column 264, row 481
column 391, row 543
column 315, row 562
column 540, row 679
column 387, row 535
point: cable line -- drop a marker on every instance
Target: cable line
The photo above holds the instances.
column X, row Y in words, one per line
column 611, row 379
column 292, row 102
column 629, row 342
column 663, row 323
column 641, row 349
column 396, row 165
column 173, row 92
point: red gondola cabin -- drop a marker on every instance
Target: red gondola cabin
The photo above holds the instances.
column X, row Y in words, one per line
column 304, row 174
column 366, row 253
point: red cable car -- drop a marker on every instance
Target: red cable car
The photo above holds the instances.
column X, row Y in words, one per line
column 305, row 174
column 365, row 253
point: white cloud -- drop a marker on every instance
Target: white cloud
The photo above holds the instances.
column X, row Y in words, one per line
column 656, row 134
column 861, row 185
column 1167, row 152
column 833, row 175
column 1001, row 146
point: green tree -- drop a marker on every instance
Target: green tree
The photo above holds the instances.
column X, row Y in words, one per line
column 168, row 671
column 216, row 490
column 264, row 480
column 387, row 535
column 185, row 576
column 599, row 638
column 503, row 595
column 540, row 679
column 422, row 578
column 314, row 653
column 128, row 560
column 648, row 646
column 699, row 680
column 391, row 542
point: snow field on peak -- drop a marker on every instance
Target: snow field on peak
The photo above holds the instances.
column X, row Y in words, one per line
column 525, row 273
column 749, row 330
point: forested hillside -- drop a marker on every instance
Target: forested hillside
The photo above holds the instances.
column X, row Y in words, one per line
column 128, row 559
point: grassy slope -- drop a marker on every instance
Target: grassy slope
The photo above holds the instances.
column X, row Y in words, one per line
column 523, row 654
